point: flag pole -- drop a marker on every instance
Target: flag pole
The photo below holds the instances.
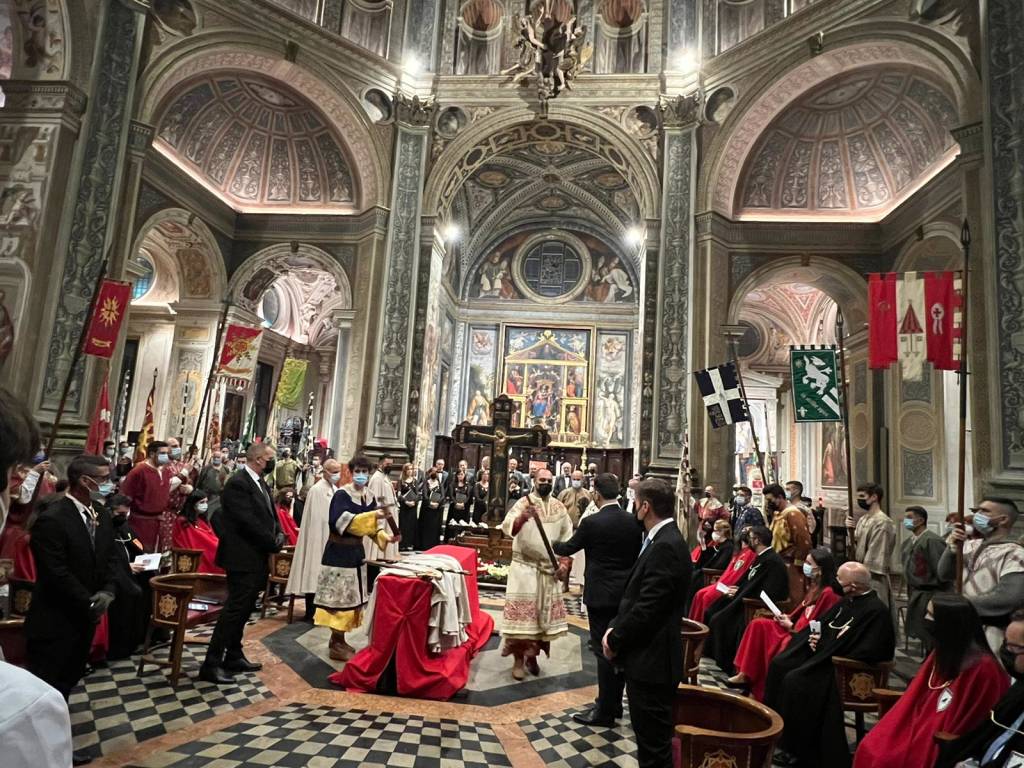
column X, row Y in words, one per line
column 845, row 413
column 209, row 379
column 768, row 434
column 746, row 404
column 77, row 355
column 965, row 241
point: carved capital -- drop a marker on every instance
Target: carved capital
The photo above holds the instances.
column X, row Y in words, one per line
column 140, row 136
column 681, row 110
column 414, row 111
column 971, row 139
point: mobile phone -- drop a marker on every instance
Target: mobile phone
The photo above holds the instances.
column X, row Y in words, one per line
column 815, row 627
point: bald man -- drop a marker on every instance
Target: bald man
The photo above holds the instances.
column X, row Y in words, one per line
column 313, row 533
column 801, row 683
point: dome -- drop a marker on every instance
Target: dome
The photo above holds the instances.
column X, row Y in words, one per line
column 855, row 147
column 256, row 144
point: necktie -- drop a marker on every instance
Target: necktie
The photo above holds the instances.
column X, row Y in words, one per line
column 647, row 541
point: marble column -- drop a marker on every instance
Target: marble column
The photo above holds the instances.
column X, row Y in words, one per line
column 341, row 426
column 391, row 409
column 192, row 350
column 96, row 207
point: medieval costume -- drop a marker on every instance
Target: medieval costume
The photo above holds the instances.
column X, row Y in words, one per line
column 993, row 568
column 716, row 556
column 904, row 736
column 287, row 523
column 197, row 534
column 792, row 540
column 801, row 684
column 309, row 548
column 708, row 511
column 727, row 617
column 920, row 556
column 705, row 597
column 997, row 741
column 384, row 493
column 128, row 615
column 149, row 488
column 875, row 540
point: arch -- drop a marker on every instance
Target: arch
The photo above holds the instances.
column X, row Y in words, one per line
column 504, row 130
column 197, row 278
column 938, row 249
column 261, row 270
column 903, row 44
column 214, row 51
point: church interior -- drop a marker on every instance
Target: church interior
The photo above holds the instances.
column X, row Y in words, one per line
column 403, row 216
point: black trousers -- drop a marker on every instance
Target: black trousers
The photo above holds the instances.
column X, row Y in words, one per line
column 407, row 526
column 610, row 683
column 650, row 709
column 244, row 589
column 61, row 659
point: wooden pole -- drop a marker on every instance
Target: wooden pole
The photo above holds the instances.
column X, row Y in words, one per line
column 845, row 412
column 209, row 379
column 965, row 241
column 768, row 434
column 272, row 417
column 77, row 355
column 746, row 404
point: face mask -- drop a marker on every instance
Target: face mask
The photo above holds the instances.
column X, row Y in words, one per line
column 707, row 494
column 577, row 483
column 969, row 530
column 808, row 570
column 39, row 458
column 863, row 504
column 162, row 458
column 717, row 537
column 270, row 467
column 335, row 478
column 543, row 490
column 360, row 478
column 119, row 519
column 126, row 452
column 103, row 490
column 741, row 500
column 982, row 523
column 908, row 523
column 793, row 495
column 109, row 453
column 216, row 462
column 175, row 453
column 1009, row 662
column 202, row 507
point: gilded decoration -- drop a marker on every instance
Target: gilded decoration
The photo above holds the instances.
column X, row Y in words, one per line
column 718, row 759
column 167, row 606
column 861, row 684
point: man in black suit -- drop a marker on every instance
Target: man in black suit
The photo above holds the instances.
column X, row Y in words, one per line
column 644, row 636
column 727, row 617
column 611, row 540
column 73, row 547
column 250, row 533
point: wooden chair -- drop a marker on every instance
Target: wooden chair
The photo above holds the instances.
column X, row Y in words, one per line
column 886, row 698
column 21, row 597
column 694, row 634
column 722, row 729
column 711, row 576
column 753, row 608
column 280, row 569
column 185, row 560
column 12, row 641
column 172, row 594
column 856, row 682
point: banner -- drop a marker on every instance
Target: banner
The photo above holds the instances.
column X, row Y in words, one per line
column 148, row 426
column 720, row 389
column 99, row 428
column 239, row 355
column 815, row 384
column 107, row 315
column 289, row 387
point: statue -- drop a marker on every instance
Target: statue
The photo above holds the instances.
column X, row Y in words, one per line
column 551, row 53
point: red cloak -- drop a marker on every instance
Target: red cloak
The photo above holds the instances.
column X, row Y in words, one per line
column 200, row 536
column 706, row 596
column 764, row 639
column 288, row 526
column 904, row 736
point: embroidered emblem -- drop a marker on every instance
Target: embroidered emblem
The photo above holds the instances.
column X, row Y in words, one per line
column 719, row 759
column 167, row 606
column 861, row 684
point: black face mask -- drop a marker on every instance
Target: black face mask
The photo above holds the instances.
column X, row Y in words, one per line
column 119, row 520
column 270, row 467
column 863, row 504
column 543, row 490
column 1008, row 660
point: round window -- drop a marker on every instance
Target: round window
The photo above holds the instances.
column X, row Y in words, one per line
column 552, row 267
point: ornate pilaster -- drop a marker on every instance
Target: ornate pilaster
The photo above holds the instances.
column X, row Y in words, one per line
column 335, row 430
column 100, row 182
column 420, row 39
column 195, row 332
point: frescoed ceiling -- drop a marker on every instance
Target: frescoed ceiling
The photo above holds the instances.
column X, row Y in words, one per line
column 257, row 145
column 783, row 313
column 854, row 147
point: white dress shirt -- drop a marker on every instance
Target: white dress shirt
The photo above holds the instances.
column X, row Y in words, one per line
column 35, row 727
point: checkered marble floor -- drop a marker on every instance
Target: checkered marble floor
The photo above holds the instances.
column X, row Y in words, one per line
column 561, row 742
column 114, row 708
column 301, row 736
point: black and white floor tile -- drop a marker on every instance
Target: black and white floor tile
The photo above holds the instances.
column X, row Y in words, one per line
column 561, row 742
column 302, row 736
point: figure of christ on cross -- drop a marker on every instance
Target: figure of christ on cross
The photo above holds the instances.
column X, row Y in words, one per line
column 500, row 435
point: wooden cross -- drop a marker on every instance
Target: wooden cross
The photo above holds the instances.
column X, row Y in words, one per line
column 500, row 435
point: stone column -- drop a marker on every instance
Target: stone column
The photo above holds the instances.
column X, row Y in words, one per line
column 391, row 412
column 341, row 426
column 96, row 207
column 192, row 350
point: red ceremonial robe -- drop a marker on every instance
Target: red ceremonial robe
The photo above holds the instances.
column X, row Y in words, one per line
column 706, row 596
column 149, row 489
column 904, row 736
column 288, row 526
column 199, row 536
column 764, row 639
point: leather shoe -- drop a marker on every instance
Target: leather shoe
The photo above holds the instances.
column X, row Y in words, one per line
column 215, row 675
column 241, row 665
column 783, row 758
column 81, row 757
column 593, row 719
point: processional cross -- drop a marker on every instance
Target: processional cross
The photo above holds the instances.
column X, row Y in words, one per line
column 500, row 435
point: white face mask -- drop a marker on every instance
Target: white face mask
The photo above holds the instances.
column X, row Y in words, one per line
column 717, row 537
column 577, row 483
column 202, row 507
column 741, row 500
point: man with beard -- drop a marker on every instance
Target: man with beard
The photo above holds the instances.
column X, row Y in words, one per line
column 801, row 684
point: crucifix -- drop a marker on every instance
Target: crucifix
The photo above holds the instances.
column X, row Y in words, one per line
column 501, row 435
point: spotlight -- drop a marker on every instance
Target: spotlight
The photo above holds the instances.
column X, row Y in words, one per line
column 686, row 61
column 634, row 236
column 412, row 65
column 451, row 232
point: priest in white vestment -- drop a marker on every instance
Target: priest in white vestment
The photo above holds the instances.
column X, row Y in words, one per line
column 384, row 492
column 534, row 612
column 313, row 533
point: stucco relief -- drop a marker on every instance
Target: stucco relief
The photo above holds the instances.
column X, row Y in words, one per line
column 27, row 148
column 40, row 35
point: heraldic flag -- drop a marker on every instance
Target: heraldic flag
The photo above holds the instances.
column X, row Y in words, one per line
column 105, row 323
column 239, row 354
column 99, row 429
column 914, row 317
column 148, row 426
column 720, row 388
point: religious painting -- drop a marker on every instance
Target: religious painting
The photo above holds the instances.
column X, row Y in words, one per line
column 483, row 361
column 231, row 424
column 546, row 373
column 442, row 398
column 833, row 456
column 611, row 405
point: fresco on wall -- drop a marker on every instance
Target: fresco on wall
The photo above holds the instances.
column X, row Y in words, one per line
column 480, row 384
column 833, row 456
column 611, row 408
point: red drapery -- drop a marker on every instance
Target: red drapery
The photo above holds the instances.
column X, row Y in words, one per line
column 400, row 629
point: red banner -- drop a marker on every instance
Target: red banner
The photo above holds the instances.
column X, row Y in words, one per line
column 239, row 354
column 108, row 313
column 99, row 429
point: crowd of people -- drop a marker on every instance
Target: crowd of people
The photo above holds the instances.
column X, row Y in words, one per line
column 78, row 536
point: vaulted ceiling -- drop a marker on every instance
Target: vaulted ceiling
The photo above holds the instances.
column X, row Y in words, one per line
column 855, row 147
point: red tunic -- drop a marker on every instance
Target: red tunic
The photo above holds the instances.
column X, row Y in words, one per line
column 149, row 488
column 764, row 639
column 199, row 536
column 904, row 736
column 288, row 526
column 706, row 596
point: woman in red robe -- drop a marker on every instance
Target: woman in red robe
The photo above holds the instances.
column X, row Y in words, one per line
column 765, row 638
column 192, row 531
column 953, row 691
column 731, row 576
column 285, row 499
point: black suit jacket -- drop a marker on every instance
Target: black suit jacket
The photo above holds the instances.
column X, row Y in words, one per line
column 70, row 569
column 612, row 541
column 768, row 573
column 249, row 525
column 645, row 633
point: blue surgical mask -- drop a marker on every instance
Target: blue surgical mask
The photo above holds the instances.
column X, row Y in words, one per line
column 216, row 462
column 360, row 478
column 982, row 523
column 335, row 477
column 808, row 570
column 741, row 500
column 202, row 506
column 176, row 453
column 908, row 523
column 162, row 458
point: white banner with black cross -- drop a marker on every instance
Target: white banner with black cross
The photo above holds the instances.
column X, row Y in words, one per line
column 720, row 389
